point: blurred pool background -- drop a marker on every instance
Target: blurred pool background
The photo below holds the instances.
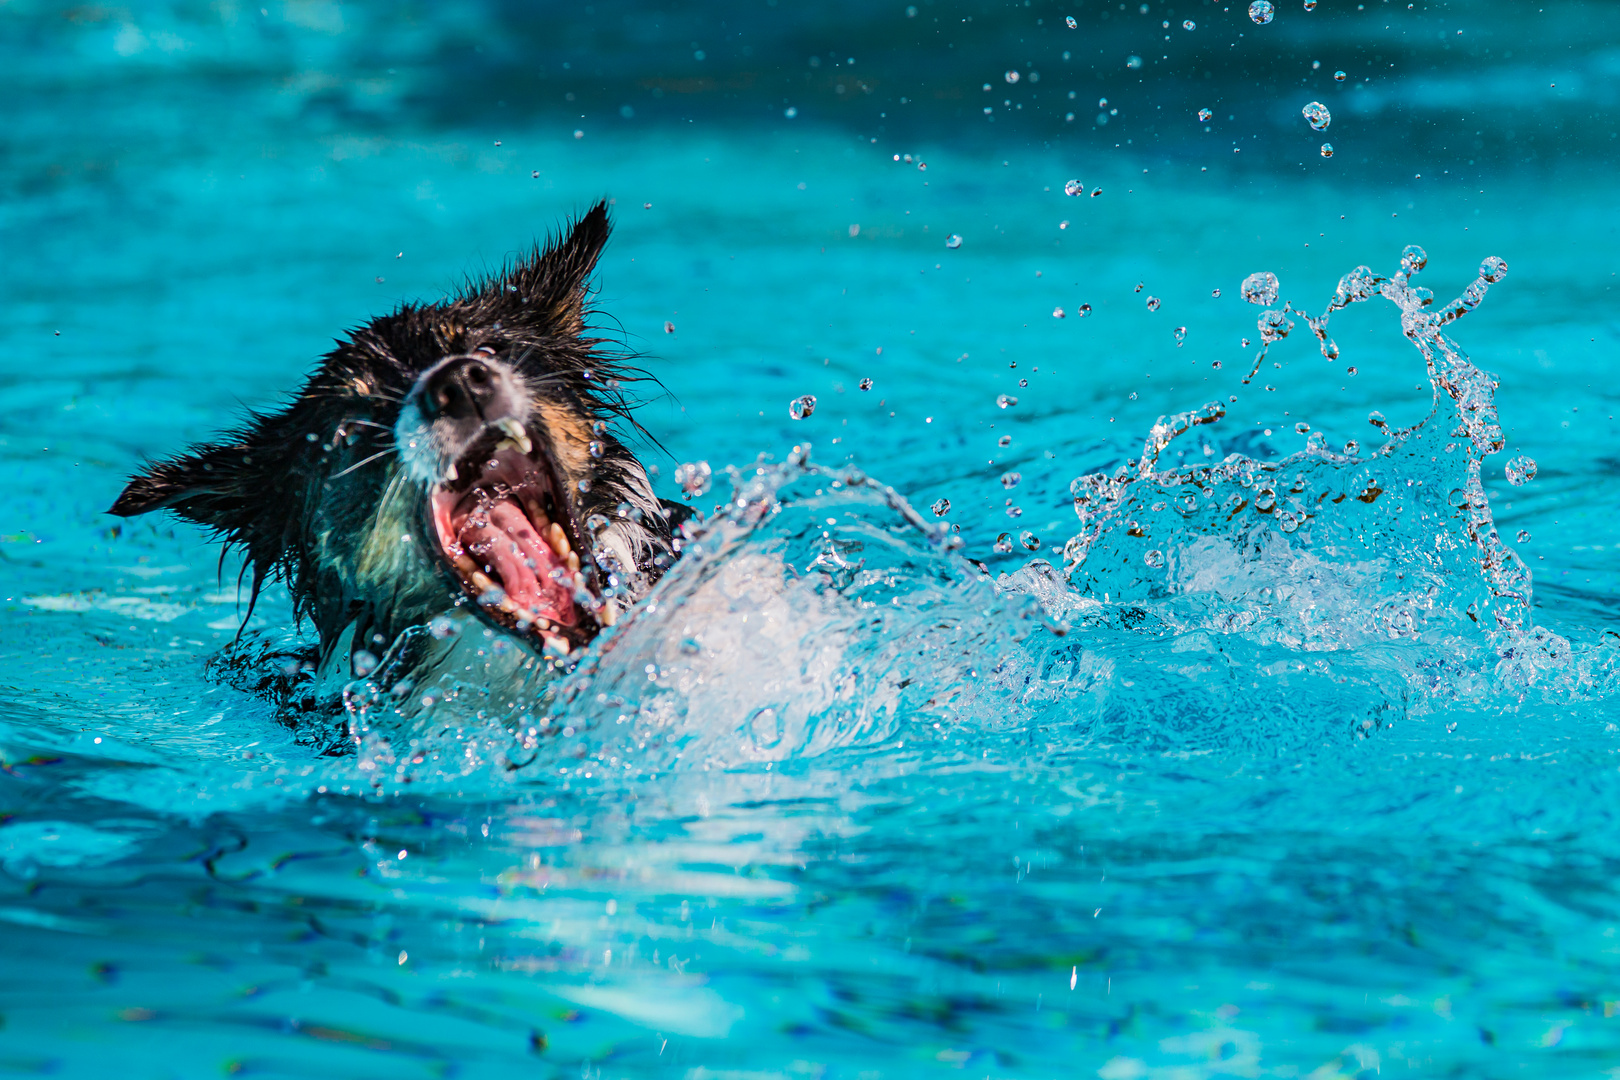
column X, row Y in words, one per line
column 1187, row 853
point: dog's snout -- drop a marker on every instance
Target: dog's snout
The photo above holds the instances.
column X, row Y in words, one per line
column 463, row 389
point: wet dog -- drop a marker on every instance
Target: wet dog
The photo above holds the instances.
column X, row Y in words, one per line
column 447, row 462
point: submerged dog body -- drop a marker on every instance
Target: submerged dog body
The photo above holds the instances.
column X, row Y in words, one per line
column 446, row 458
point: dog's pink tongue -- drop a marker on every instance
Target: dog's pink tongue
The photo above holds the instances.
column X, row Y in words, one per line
column 508, row 544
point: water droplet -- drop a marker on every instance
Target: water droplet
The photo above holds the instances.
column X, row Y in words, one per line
column 1096, row 192
column 1521, row 470
column 1204, row 114
column 1074, row 187
column 801, row 407
column 1413, row 259
column 1350, row 371
column 1004, row 543
column 1524, row 536
column 953, row 241
column 1071, row 22
column 1216, row 364
column 1083, row 310
column 596, row 449
column 1133, row 62
column 1493, row 269
column 1338, row 76
column 1058, row 312
column 1352, row 448
column 596, row 524
column 1012, row 76
column 1006, row 401
column 1215, row 293
column 1133, row 395
column 1030, row 541
column 866, row 384
column 1316, row 114
column 1310, row 5
column 364, row 662
column 693, row 477
column 1181, row 335
column 1302, row 427
column 669, row 327
column 1262, row 11
column 1327, row 149
column 1153, row 303
column 1005, row 440
column 1260, row 288
column 1189, row 25
column 1265, row 499
column 1009, row 480
column 941, row 508
column 790, row 112
column 1154, row 558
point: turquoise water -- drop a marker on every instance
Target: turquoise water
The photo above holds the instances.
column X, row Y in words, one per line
column 1298, row 789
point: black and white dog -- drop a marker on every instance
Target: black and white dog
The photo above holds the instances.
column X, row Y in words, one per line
column 446, row 458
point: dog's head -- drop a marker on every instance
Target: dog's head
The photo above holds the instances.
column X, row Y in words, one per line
column 450, row 454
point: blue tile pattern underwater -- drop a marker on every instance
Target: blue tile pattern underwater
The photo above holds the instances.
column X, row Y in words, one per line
column 1101, row 680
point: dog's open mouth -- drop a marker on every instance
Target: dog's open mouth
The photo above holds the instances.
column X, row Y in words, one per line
column 506, row 533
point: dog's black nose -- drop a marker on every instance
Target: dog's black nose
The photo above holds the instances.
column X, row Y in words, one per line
column 462, row 389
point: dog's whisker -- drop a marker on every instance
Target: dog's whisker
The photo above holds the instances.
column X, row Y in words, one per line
column 364, row 461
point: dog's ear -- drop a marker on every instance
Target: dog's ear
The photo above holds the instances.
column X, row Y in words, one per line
column 208, row 484
column 547, row 290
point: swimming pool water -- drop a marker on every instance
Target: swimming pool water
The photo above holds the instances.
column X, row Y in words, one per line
column 851, row 796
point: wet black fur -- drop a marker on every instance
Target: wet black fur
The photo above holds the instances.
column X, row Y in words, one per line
column 273, row 485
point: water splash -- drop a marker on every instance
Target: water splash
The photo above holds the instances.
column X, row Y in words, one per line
column 1327, row 547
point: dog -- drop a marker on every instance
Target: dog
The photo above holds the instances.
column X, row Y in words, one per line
column 446, row 462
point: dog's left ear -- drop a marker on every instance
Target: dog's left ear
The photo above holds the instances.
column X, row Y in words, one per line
column 547, row 290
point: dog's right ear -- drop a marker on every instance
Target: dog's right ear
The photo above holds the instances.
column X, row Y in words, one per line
column 212, row 485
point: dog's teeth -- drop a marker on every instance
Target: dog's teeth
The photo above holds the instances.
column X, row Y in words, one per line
column 608, row 615
column 481, row 581
column 573, row 562
column 515, row 432
column 451, row 474
column 555, row 644
column 558, row 540
column 465, row 564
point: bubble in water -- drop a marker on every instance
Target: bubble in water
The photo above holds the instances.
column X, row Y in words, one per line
column 1005, row 440
column 1181, row 336
column 1310, row 5
column 364, row 663
column 1265, row 500
column 669, row 327
column 1070, row 20
column 1133, row 62
column 801, row 407
column 1030, row 541
column 1414, row 259
column 1327, row 149
column 596, row 449
column 1352, row 448
column 865, row 384
column 1012, row 76
column 596, row 524
column 1153, row 303
column 1074, row 187
column 1260, row 288
column 1302, row 427
column 1524, row 536
column 1339, row 76
column 1083, row 310
column 1216, row 364
column 1216, row 293
column 1006, row 401
column 1204, row 114
column 1009, row 480
column 953, row 241
column 1521, row 470
column 1317, row 115
column 693, row 477
column 1154, row 558
column 1350, row 371
column 1262, row 11
column 941, row 508
column 1189, row 25
column 1059, row 313
column 1004, row 543
column 1493, row 269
